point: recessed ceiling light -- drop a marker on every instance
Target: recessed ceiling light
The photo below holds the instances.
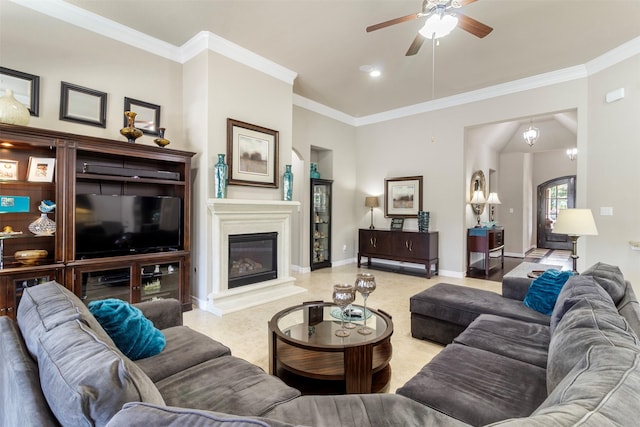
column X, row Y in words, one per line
column 371, row 70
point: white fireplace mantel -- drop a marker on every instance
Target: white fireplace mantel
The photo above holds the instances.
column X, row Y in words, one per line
column 236, row 216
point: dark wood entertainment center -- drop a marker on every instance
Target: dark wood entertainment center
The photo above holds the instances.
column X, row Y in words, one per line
column 89, row 165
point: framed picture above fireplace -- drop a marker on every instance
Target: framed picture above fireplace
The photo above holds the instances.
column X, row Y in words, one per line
column 252, row 154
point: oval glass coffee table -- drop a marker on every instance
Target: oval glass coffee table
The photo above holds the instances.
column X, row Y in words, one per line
column 305, row 352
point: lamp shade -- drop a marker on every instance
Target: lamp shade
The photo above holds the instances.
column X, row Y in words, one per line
column 371, row 202
column 493, row 199
column 478, row 198
column 575, row 222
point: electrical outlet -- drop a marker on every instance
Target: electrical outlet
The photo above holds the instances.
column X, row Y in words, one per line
column 344, row 248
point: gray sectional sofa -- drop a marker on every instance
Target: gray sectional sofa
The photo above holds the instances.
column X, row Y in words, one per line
column 59, row 367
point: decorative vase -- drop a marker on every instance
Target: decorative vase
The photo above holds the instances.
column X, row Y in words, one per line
column 160, row 141
column 12, row 111
column 131, row 132
column 287, row 178
column 220, row 177
column 314, row 171
column 43, row 226
column 423, row 222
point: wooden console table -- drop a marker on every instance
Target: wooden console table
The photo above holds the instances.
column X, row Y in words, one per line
column 408, row 246
column 485, row 240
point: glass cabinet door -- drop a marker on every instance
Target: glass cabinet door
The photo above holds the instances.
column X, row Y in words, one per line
column 320, row 223
column 103, row 284
column 160, row 281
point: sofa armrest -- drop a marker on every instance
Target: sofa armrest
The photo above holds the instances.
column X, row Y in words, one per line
column 164, row 313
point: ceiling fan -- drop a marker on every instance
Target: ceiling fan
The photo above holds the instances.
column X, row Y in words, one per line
column 441, row 20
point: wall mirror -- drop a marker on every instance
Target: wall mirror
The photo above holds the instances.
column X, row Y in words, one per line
column 25, row 88
column 478, row 183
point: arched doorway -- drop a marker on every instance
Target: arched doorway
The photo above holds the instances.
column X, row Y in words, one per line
column 553, row 195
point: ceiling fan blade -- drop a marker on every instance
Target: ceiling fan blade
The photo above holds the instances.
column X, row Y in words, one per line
column 472, row 26
column 393, row 22
column 415, row 46
column 466, row 2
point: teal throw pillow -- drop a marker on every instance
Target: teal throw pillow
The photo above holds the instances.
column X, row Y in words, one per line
column 133, row 334
column 543, row 291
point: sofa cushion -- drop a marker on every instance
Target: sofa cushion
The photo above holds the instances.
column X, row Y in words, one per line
column 601, row 390
column 589, row 322
column 576, row 289
column 610, row 278
column 21, row 400
column 133, row 334
column 524, row 341
column 543, row 291
column 226, row 384
column 629, row 307
column 361, row 410
column 47, row 306
column 477, row 386
column 174, row 358
column 144, row 415
column 86, row 380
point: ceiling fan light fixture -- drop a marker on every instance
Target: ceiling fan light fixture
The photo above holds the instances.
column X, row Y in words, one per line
column 438, row 25
column 531, row 135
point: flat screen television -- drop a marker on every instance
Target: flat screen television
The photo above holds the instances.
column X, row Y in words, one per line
column 109, row 225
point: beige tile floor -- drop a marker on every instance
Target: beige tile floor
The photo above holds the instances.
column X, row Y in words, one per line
column 247, row 335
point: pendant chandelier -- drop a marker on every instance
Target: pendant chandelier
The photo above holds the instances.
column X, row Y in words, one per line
column 531, row 134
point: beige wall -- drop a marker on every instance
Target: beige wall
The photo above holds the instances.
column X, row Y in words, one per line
column 197, row 98
column 50, row 49
column 612, row 158
column 312, row 130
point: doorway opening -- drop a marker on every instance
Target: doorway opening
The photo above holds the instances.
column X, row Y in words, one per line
column 553, row 195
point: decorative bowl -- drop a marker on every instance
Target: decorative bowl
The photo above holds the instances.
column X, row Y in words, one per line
column 30, row 256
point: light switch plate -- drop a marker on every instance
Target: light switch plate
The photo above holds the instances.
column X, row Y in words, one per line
column 606, row 211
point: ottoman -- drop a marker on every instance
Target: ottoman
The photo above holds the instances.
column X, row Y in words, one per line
column 515, row 283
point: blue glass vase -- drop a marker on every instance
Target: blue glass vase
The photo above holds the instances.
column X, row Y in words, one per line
column 220, row 177
column 287, row 186
column 313, row 173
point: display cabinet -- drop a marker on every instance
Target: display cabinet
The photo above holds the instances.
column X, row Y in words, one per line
column 320, row 223
column 122, row 215
column 14, row 281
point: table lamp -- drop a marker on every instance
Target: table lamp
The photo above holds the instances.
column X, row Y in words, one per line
column 575, row 223
column 493, row 200
column 476, row 203
column 371, row 202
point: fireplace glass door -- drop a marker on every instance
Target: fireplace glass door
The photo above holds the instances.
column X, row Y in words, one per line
column 253, row 258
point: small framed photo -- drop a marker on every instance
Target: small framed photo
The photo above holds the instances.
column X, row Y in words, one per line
column 397, row 224
column 8, row 170
column 147, row 115
column 403, row 197
column 41, row 169
column 252, row 153
column 83, row 105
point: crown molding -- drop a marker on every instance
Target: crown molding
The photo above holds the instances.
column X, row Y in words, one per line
column 92, row 22
column 316, row 107
column 528, row 83
column 614, row 56
column 200, row 42
column 206, row 40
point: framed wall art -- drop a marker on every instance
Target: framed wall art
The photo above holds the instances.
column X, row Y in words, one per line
column 8, row 170
column 403, row 197
column 252, row 153
column 25, row 87
column 147, row 115
column 83, row 105
column 41, row 169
